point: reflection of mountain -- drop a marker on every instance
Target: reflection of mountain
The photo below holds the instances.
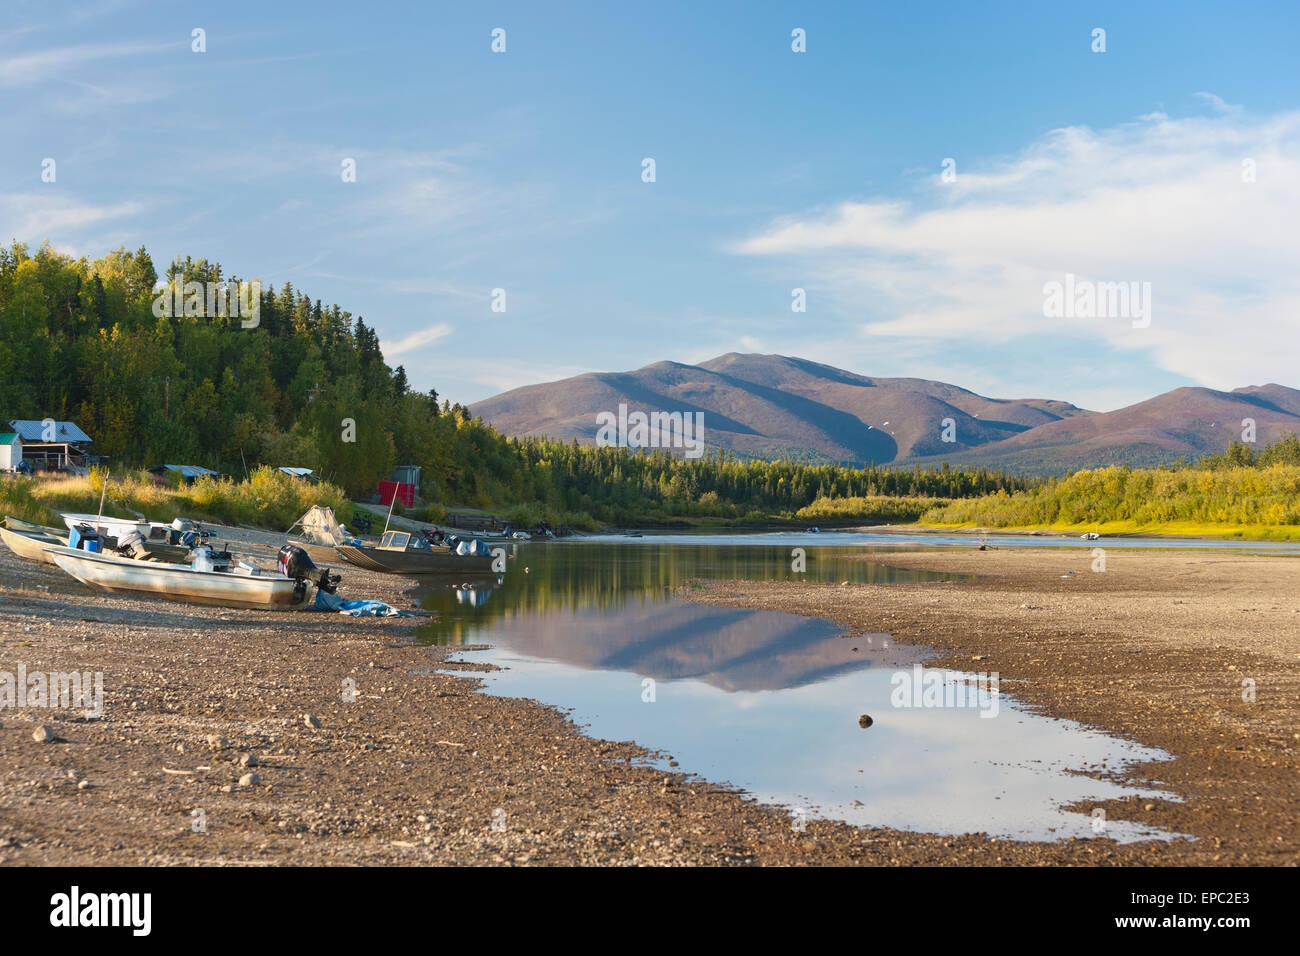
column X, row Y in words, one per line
column 576, row 576
column 731, row 648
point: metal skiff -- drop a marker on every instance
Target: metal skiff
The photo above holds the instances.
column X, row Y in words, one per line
column 31, row 544
column 400, row 552
column 29, row 541
column 180, row 582
column 117, row 527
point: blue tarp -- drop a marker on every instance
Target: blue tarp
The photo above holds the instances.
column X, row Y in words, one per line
column 332, row 602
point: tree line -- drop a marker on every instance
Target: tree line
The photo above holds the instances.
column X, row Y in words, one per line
column 308, row 386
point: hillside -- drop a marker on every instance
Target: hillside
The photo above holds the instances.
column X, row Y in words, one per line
column 775, row 406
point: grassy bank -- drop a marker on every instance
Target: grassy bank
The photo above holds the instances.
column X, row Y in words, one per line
column 266, row 499
column 873, row 509
column 1175, row 528
column 1241, row 502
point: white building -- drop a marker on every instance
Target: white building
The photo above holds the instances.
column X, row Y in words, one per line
column 11, row 450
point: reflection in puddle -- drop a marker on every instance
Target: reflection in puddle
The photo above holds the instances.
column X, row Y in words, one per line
column 770, row 702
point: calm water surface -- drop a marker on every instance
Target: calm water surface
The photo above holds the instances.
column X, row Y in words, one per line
column 770, row 701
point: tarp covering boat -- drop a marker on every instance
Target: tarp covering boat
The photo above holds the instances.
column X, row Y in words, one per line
column 319, row 526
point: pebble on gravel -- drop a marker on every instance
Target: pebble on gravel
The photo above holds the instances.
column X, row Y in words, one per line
column 43, row 734
column 311, row 720
column 249, row 780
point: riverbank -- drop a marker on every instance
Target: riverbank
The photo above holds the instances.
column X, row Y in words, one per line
column 420, row 768
column 1196, row 654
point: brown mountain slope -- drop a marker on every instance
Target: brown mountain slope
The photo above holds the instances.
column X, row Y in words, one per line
column 775, row 406
column 1182, row 423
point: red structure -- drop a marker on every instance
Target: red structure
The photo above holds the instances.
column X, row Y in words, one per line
column 404, row 492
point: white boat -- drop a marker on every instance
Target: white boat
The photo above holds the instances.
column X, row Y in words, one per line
column 30, row 541
column 1090, row 536
column 31, row 544
column 117, row 527
column 522, row 536
column 242, row 586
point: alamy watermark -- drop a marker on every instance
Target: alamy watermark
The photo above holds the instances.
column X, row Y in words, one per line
column 684, row 430
column 1086, row 299
column 61, row 689
column 937, row 688
column 129, row 910
column 236, row 300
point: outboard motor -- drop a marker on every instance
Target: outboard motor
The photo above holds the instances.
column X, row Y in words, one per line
column 186, row 532
column 131, row 544
column 297, row 564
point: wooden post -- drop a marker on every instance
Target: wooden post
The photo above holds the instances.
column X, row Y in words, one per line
column 102, row 492
column 390, row 514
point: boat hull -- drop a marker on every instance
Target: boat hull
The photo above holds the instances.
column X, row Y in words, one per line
column 18, row 524
column 31, row 544
column 415, row 562
column 30, row 541
column 179, row 582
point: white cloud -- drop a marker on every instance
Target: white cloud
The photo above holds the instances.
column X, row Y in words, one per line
column 1158, row 200
column 416, row 340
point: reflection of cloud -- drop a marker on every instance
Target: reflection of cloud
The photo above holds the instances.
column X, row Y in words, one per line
column 415, row 340
column 1159, row 200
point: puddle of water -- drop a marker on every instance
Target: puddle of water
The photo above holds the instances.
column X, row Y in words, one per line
column 770, row 702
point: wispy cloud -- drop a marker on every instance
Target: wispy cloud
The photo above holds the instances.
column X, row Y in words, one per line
column 54, row 63
column 416, row 340
column 66, row 221
column 1218, row 103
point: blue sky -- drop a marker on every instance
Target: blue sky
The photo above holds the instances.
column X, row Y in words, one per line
column 774, row 170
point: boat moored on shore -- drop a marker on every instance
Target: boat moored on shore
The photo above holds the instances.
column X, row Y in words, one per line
column 212, row 579
column 402, row 552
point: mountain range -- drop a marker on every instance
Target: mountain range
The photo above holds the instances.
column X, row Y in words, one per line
column 775, row 406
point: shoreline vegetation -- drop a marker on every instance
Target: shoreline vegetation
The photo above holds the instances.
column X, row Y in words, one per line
column 270, row 500
column 267, row 499
column 306, row 385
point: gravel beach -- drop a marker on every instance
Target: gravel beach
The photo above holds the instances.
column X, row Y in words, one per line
column 233, row 737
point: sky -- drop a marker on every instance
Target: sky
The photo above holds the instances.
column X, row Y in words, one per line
column 1169, row 161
